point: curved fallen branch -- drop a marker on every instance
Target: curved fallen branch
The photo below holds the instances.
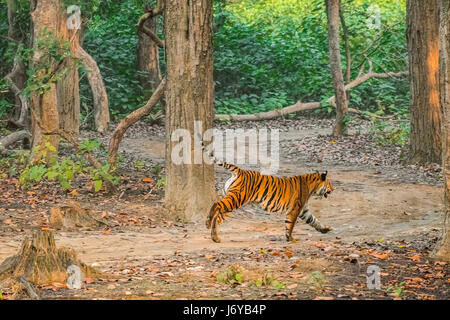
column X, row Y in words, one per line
column 101, row 110
column 12, row 138
column 131, row 119
column 300, row 106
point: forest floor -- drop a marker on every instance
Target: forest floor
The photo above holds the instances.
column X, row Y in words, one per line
column 383, row 213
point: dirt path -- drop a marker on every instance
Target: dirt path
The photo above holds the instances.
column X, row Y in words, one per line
column 366, row 207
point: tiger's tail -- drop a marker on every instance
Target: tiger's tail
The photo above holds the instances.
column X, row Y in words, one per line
column 210, row 154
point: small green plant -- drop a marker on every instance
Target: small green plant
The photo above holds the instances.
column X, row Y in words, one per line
column 139, row 165
column 156, row 170
column 385, row 134
column 397, row 289
column 268, row 279
column 317, row 279
column 231, row 275
column 161, row 183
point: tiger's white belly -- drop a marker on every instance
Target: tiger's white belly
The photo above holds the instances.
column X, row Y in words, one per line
column 229, row 182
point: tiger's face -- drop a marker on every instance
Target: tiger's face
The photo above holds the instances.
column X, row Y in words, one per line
column 324, row 188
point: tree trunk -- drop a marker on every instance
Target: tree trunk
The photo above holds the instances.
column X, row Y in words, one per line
column 423, row 52
column 18, row 75
column 148, row 59
column 101, row 109
column 68, row 87
column 335, row 63
column 443, row 251
column 189, row 97
column 44, row 107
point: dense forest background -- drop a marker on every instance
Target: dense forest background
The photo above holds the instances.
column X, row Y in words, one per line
column 267, row 54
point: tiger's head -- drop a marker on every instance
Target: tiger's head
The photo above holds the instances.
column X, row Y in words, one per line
column 324, row 187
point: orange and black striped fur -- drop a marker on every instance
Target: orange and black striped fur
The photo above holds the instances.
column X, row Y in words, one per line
column 289, row 195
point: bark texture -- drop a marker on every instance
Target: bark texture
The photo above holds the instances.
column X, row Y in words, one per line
column 333, row 7
column 423, row 52
column 44, row 107
column 443, row 251
column 68, row 87
column 189, row 97
column 41, row 262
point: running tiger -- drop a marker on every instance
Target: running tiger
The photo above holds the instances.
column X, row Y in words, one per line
column 273, row 194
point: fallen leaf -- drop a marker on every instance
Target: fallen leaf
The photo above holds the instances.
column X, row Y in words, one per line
column 323, row 298
column 89, row 280
column 415, row 258
column 147, row 179
column 107, row 232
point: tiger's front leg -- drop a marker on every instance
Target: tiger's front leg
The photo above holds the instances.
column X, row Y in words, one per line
column 309, row 218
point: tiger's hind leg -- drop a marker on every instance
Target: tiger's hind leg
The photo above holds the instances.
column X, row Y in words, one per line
column 218, row 212
column 309, row 218
column 290, row 220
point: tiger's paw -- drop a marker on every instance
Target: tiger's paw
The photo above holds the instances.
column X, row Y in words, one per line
column 326, row 229
column 291, row 239
column 215, row 238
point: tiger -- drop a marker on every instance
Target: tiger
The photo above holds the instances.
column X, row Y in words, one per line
column 288, row 195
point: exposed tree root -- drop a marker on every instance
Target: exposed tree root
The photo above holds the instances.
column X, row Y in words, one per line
column 72, row 216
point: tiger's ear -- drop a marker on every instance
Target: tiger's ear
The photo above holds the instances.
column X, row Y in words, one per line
column 323, row 176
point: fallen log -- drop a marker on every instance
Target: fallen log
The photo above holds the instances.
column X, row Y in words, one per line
column 301, row 106
column 12, row 138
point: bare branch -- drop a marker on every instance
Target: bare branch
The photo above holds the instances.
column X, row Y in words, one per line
column 131, row 119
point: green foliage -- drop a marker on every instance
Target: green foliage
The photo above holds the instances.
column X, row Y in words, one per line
column 385, row 133
column 280, row 48
column 317, row 279
column 161, row 183
column 267, row 54
column 231, row 275
column 268, row 279
column 34, row 168
column 112, row 40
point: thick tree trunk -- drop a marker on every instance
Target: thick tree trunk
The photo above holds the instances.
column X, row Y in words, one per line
column 423, row 52
column 44, row 107
column 189, row 97
column 101, row 109
column 68, row 88
column 148, row 58
column 335, row 63
column 443, row 251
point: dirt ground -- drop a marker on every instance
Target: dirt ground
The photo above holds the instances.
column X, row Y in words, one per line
column 389, row 216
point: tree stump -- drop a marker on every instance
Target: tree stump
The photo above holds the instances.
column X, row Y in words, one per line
column 72, row 216
column 40, row 262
